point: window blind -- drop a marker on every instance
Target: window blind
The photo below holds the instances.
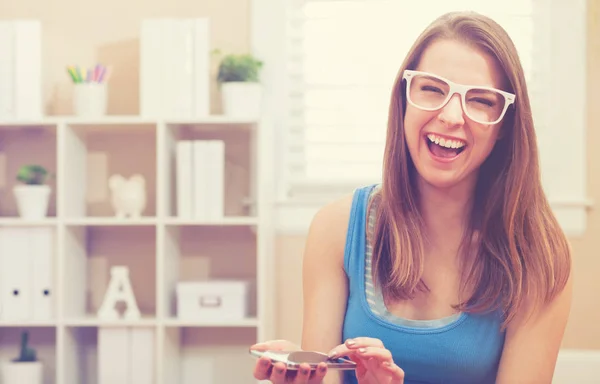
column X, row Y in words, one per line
column 342, row 59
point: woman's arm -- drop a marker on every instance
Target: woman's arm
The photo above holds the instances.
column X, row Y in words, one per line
column 532, row 343
column 324, row 280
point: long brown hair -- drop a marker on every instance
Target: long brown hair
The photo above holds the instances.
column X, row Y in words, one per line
column 522, row 255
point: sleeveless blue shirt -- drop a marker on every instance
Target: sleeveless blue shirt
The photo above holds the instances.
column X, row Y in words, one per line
column 464, row 349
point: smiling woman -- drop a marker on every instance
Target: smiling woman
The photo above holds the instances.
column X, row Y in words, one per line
column 454, row 268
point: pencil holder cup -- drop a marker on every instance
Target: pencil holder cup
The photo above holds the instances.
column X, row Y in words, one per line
column 90, row 99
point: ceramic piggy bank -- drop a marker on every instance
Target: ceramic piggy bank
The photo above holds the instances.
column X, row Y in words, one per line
column 128, row 196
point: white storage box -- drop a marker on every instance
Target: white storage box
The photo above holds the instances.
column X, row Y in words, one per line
column 212, row 300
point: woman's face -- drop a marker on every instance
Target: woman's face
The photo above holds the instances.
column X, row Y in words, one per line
column 446, row 145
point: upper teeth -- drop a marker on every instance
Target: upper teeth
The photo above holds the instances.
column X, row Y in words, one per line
column 448, row 143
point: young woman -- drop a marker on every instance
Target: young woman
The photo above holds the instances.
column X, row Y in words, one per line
column 454, row 269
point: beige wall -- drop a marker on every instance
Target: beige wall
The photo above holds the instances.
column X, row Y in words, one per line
column 108, row 35
column 582, row 331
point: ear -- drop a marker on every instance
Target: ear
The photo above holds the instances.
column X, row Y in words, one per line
column 115, row 181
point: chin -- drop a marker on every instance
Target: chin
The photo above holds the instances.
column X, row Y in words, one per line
column 439, row 180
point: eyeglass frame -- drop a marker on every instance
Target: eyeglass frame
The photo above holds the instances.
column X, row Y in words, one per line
column 461, row 89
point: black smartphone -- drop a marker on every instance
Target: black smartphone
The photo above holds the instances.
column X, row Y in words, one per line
column 293, row 359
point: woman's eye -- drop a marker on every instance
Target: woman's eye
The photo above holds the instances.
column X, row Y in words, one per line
column 432, row 89
column 485, row 102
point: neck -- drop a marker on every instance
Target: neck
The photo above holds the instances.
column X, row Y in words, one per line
column 446, row 212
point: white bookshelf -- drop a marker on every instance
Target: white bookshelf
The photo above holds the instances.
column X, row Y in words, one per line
column 159, row 248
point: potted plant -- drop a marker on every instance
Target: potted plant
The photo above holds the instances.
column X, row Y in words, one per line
column 33, row 193
column 241, row 92
column 25, row 369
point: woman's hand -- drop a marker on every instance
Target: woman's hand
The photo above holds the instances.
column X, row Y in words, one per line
column 278, row 374
column 374, row 363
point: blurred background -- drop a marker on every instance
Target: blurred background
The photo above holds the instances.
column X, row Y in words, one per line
column 110, row 113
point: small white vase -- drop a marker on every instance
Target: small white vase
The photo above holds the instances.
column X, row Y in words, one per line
column 241, row 99
column 32, row 201
column 22, row 372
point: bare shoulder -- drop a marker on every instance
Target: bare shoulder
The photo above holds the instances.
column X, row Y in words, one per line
column 329, row 227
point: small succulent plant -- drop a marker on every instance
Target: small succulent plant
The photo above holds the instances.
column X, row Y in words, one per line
column 26, row 354
column 33, row 174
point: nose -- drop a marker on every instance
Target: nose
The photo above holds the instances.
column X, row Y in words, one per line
column 452, row 113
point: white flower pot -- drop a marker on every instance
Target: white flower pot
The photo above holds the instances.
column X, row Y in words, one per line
column 22, row 372
column 32, row 201
column 241, row 99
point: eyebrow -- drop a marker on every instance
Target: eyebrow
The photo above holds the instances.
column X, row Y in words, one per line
column 433, row 78
column 480, row 91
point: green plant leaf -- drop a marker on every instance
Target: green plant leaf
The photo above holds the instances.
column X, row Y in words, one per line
column 33, row 174
column 244, row 68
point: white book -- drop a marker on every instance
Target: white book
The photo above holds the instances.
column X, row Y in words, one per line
column 201, row 180
column 141, row 352
column 42, row 246
column 216, row 171
column 181, row 83
column 167, row 57
column 113, row 355
column 28, row 69
column 7, row 67
column 202, row 74
column 184, row 179
column 151, row 76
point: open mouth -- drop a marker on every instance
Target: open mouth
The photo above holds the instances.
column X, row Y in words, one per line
column 444, row 148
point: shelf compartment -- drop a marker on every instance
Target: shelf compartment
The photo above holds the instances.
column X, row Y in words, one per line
column 207, row 355
column 89, row 254
column 93, row 153
column 42, row 339
column 238, row 169
column 86, row 348
column 199, row 253
column 34, row 144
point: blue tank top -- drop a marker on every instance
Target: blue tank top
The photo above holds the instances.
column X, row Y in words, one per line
column 464, row 349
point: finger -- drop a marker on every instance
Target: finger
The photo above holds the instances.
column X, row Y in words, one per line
column 303, row 374
column 351, row 344
column 361, row 368
column 358, row 342
column 278, row 374
column 318, row 374
column 385, row 370
column 381, row 354
column 395, row 370
column 262, row 369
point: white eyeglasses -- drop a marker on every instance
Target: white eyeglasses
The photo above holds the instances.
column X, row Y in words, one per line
column 430, row 92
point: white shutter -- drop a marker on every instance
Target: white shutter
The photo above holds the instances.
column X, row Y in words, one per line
column 342, row 58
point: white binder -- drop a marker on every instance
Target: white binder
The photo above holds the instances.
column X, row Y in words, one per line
column 16, row 282
column 41, row 252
